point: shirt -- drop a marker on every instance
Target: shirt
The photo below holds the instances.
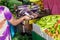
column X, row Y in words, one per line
column 52, row 5
column 5, row 15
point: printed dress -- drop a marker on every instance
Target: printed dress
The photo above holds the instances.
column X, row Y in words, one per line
column 5, row 15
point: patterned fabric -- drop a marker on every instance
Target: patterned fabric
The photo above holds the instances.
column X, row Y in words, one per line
column 53, row 5
column 5, row 15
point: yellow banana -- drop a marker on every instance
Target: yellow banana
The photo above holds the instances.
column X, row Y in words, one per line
column 34, row 0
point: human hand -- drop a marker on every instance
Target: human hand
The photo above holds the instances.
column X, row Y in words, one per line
column 27, row 17
column 35, row 15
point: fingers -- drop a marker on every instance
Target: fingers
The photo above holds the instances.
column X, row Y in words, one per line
column 27, row 17
column 35, row 15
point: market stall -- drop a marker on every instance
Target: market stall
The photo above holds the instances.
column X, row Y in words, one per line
column 49, row 27
column 45, row 28
column 35, row 8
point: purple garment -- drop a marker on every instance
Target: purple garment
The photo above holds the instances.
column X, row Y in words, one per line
column 6, row 33
column 1, row 9
column 53, row 5
column 8, row 14
column 5, row 14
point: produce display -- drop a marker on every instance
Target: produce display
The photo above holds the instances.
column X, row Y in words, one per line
column 27, row 10
column 50, row 25
column 38, row 2
column 34, row 0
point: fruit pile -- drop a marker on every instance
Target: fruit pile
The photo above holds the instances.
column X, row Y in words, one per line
column 50, row 25
column 27, row 10
column 34, row 0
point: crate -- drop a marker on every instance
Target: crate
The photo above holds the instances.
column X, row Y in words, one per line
column 38, row 34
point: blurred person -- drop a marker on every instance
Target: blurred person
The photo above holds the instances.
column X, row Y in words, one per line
column 53, row 6
column 6, row 15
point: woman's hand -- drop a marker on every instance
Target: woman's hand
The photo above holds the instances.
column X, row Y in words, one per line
column 27, row 17
column 35, row 15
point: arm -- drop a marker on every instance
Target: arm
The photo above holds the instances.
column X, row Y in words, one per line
column 45, row 12
column 11, row 19
column 14, row 21
column 41, row 14
column 46, row 7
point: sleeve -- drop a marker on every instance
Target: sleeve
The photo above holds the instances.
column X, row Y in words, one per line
column 7, row 13
column 45, row 3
